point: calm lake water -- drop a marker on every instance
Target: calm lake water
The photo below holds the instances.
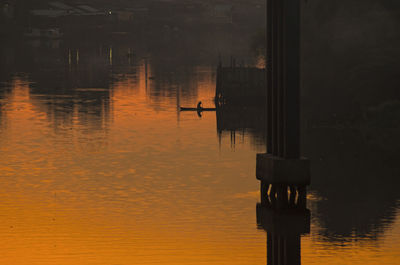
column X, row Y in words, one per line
column 99, row 167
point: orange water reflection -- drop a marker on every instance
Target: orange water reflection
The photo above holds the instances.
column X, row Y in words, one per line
column 146, row 189
column 136, row 183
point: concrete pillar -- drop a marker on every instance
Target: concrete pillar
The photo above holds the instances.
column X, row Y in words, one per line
column 292, row 78
column 264, row 187
column 292, row 197
column 268, row 68
column 283, row 77
column 302, row 197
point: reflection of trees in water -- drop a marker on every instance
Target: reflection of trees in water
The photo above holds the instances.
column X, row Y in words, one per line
column 60, row 69
column 357, row 179
column 167, row 84
column 72, row 80
column 241, row 120
column 350, row 85
column 179, row 59
column 5, row 90
column 73, row 83
column 14, row 60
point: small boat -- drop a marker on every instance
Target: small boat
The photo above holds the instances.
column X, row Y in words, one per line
column 197, row 109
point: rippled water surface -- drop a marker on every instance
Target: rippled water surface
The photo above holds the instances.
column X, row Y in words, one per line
column 99, row 167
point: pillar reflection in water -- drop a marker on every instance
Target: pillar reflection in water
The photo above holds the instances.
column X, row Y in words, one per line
column 282, row 213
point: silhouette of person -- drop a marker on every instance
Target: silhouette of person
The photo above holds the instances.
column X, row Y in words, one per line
column 199, row 106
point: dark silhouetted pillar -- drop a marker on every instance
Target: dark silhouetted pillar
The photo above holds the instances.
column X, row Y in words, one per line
column 283, row 77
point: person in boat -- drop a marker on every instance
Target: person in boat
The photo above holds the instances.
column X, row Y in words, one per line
column 199, row 106
column 199, row 109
